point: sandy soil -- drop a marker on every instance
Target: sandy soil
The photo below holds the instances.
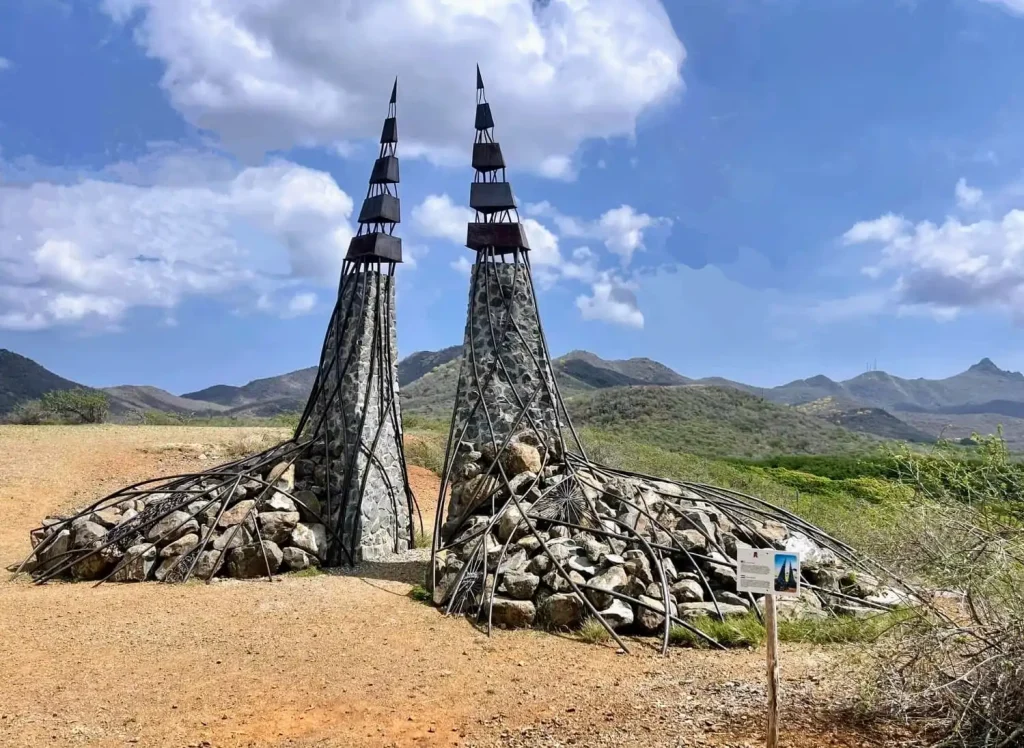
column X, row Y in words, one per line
column 337, row 660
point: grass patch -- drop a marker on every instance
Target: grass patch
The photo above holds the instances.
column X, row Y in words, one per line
column 842, row 629
column 309, row 571
column 748, row 631
column 422, row 539
column 425, row 447
column 420, row 594
column 592, row 632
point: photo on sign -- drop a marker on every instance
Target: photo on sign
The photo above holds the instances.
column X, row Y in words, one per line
column 787, row 573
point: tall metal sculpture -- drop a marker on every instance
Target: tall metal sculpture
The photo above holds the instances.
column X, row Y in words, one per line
column 336, row 493
column 532, row 531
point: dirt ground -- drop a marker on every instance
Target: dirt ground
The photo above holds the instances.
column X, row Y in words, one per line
column 340, row 659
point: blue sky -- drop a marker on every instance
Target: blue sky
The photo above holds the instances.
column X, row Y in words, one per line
column 757, row 189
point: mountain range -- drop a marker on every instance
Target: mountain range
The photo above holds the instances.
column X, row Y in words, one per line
column 599, row 391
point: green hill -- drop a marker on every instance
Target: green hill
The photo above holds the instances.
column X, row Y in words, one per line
column 706, row 420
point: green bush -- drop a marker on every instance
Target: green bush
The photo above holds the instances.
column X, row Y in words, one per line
column 77, row 405
column 31, row 413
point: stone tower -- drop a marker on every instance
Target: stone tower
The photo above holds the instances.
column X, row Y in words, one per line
column 506, row 390
column 354, row 408
column 336, row 493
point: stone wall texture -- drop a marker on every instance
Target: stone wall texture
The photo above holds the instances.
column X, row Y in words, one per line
column 363, row 423
column 505, row 365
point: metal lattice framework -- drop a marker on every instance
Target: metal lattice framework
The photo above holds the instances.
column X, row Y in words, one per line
column 344, row 469
column 507, row 395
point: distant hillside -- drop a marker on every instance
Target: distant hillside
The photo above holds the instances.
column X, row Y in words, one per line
column 874, row 421
column 415, row 366
column 590, row 370
column 711, row 420
column 142, row 399
column 284, row 393
column 23, row 379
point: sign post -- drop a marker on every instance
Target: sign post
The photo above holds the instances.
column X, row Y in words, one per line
column 770, row 573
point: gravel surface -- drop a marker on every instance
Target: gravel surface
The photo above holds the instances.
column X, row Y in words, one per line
column 340, row 659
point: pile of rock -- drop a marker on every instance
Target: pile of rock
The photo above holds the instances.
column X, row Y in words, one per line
column 250, row 531
column 665, row 535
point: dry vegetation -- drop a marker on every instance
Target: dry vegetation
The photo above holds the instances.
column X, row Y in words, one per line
column 339, row 659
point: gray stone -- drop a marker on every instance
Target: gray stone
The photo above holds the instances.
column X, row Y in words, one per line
column 688, row 591
column 208, row 564
column 172, row 527
column 806, row 606
column 689, row 611
column 692, row 540
column 539, row 565
column 721, row 575
column 614, row 578
column 667, row 489
column 774, row 532
column 137, row 564
column 618, row 615
column 250, row 561
column 730, row 598
column 511, row 524
column 180, row 546
column 310, row 538
column 639, row 567
column 277, row 526
column 309, row 507
column 296, row 559
column 55, row 550
column 651, row 620
column 236, row 514
column 515, row 560
column 519, row 484
column 109, row 517
column 562, row 611
column 669, row 569
column 520, row 585
column 232, row 537
column 530, row 544
column 614, row 559
column 513, row 613
column 88, row 534
column 583, row 565
column 281, row 503
column 165, row 568
column 694, row 519
column 595, row 550
column 557, row 583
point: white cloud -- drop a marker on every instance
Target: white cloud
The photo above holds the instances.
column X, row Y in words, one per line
column 943, row 268
column 611, row 300
column 883, row 229
column 462, row 265
column 301, row 303
column 270, row 74
column 543, row 244
column 437, row 216
column 5, row 64
column 1014, row 6
column 621, row 229
column 88, row 250
column 968, row 197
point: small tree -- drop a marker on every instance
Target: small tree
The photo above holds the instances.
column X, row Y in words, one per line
column 78, row 405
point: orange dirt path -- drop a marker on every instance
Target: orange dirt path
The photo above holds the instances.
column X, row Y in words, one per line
column 335, row 660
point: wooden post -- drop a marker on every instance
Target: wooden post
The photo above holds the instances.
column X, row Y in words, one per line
column 773, row 671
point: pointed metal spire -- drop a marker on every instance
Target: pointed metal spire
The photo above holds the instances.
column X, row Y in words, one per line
column 381, row 211
column 496, row 227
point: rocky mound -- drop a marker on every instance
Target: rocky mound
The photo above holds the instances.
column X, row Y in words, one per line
column 558, row 543
column 243, row 520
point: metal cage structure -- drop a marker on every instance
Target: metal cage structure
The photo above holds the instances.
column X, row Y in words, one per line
column 336, row 493
column 503, row 522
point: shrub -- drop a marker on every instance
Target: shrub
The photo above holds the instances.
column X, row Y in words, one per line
column 962, row 673
column 420, row 594
column 77, row 405
column 592, row 632
column 31, row 413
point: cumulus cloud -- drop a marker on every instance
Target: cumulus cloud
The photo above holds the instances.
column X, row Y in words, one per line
column 437, row 216
column 301, row 303
column 462, row 265
column 271, row 74
column 1014, row 6
column 967, row 197
column 5, row 64
column 611, row 300
column 942, row 268
column 883, row 229
column 91, row 248
column 621, row 229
